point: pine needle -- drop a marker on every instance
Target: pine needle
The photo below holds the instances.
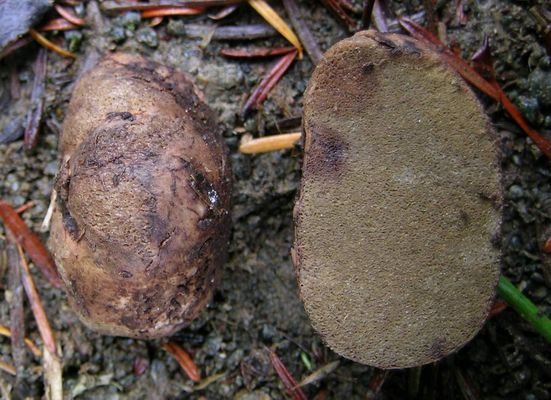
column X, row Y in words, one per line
column 8, row 368
column 273, row 18
column 5, row 331
column 49, row 45
column 269, row 143
column 524, row 306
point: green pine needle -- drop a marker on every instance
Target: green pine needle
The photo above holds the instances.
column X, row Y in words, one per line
column 524, row 306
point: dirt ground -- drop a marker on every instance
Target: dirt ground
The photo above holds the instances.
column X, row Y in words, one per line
column 257, row 304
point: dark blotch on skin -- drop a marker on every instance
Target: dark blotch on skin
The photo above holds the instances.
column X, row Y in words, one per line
column 125, row 115
column 367, row 68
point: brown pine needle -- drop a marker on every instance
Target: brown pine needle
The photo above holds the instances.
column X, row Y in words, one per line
column 57, row 24
column 286, row 378
column 269, row 143
column 305, row 35
column 155, row 21
column 69, row 16
column 277, row 22
column 10, row 369
column 5, row 331
column 268, row 82
column 51, row 362
column 24, row 207
column 320, row 373
column 172, row 11
column 49, row 45
column 30, row 242
column 36, row 305
column 184, row 359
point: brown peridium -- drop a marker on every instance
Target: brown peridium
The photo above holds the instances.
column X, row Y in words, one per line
column 142, row 218
column 399, row 206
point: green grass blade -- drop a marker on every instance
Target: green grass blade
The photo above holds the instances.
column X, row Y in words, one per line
column 524, row 306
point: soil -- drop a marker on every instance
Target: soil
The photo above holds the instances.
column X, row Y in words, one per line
column 257, row 306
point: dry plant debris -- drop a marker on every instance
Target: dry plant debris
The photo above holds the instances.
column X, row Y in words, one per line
column 30, row 242
column 184, row 359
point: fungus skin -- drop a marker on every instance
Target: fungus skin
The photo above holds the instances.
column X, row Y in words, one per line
column 142, row 217
column 399, row 204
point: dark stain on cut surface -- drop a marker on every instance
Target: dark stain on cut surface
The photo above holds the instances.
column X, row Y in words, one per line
column 327, row 153
column 438, row 348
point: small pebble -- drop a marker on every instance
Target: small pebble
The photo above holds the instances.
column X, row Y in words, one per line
column 529, row 108
column 148, row 37
column 540, row 86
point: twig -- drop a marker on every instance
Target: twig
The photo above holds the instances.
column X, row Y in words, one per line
column 30, row 242
column 51, row 362
column 69, row 16
column 53, row 376
column 273, row 18
column 269, row 81
column 49, row 45
column 367, row 12
column 21, row 42
column 256, row 52
column 184, row 359
column 112, row 6
column 243, row 32
column 468, row 73
column 223, row 13
column 305, row 35
column 269, row 143
column 336, row 7
column 288, row 124
column 379, row 17
column 34, row 115
column 524, row 307
column 286, row 378
column 17, row 313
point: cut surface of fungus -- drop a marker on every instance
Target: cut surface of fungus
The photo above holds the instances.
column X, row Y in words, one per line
column 142, row 218
column 399, row 204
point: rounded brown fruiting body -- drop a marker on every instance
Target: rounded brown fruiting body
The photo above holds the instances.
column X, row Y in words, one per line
column 399, row 208
column 142, row 218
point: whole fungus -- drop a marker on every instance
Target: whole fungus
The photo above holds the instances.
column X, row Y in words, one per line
column 143, row 197
column 399, row 207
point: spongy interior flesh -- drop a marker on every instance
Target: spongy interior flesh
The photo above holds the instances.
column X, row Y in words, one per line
column 399, row 204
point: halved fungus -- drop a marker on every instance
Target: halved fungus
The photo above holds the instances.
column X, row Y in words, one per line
column 142, row 219
column 399, row 204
